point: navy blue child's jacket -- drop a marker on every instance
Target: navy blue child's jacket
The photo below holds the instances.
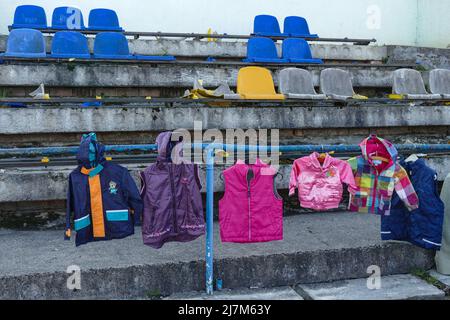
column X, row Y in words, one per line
column 423, row 226
column 102, row 196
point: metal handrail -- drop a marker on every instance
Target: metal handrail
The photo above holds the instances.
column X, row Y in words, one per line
column 210, row 155
column 139, row 34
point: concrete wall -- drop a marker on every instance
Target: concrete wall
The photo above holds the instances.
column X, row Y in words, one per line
column 72, row 119
column 148, row 75
column 406, row 22
column 433, row 24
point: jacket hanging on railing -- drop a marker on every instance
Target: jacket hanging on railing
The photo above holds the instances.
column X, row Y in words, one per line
column 102, row 196
column 173, row 209
column 250, row 210
column 320, row 186
column 376, row 180
column 422, row 226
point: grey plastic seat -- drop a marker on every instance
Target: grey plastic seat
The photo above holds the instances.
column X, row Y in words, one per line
column 409, row 82
column 336, row 84
column 297, row 83
column 440, row 82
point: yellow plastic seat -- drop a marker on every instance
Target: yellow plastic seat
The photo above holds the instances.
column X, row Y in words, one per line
column 256, row 83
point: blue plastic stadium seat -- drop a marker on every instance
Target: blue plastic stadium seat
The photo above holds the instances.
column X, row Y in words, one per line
column 31, row 17
column 67, row 18
column 70, row 44
column 262, row 50
column 111, row 45
column 297, row 50
column 104, row 19
column 25, row 43
column 297, row 27
column 267, row 26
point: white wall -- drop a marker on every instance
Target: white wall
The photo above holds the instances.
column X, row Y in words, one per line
column 434, row 23
column 389, row 21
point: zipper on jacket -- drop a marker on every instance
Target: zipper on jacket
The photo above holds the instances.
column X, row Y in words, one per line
column 249, row 208
column 375, row 185
column 249, row 215
column 174, row 209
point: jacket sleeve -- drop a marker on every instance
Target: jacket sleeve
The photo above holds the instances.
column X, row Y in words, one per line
column 405, row 189
column 295, row 172
column 133, row 197
column 347, row 177
column 69, row 210
column 353, row 163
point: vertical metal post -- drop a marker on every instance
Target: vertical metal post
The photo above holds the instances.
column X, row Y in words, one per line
column 209, row 219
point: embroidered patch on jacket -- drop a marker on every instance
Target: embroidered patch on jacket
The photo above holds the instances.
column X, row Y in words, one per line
column 331, row 173
column 112, row 187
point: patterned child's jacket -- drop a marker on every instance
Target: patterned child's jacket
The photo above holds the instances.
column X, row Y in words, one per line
column 102, row 196
column 376, row 180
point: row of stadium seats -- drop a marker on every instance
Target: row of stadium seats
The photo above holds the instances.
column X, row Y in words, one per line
column 65, row 18
column 30, row 43
column 256, row 83
column 73, row 45
column 294, row 50
column 295, row 27
column 71, row 18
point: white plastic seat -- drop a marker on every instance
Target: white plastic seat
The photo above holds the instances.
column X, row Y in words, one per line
column 297, row 83
column 409, row 83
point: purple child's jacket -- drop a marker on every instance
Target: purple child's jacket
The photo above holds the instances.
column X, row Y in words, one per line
column 173, row 209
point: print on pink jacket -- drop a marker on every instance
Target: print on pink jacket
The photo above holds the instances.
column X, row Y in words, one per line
column 250, row 211
column 320, row 186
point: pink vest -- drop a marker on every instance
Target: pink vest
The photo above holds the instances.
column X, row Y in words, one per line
column 250, row 211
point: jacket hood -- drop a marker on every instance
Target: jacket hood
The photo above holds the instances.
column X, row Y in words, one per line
column 91, row 152
column 374, row 145
column 168, row 150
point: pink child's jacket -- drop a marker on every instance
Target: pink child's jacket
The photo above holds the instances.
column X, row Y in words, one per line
column 320, row 186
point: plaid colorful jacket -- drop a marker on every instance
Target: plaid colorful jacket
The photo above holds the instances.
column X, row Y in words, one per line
column 377, row 181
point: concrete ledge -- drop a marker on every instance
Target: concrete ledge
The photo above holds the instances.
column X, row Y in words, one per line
column 78, row 74
column 75, row 119
column 429, row 58
column 34, row 264
column 279, row 293
column 48, row 184
column 396, row 287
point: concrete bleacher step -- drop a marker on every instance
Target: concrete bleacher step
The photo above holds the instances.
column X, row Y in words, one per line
column 319, row 247
column 280, row 293
column 394, row 287
column 442, row 280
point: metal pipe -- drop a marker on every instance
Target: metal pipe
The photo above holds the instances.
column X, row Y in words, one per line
column 54, row 151
column 137, row 35
column 223, row 63
column 209, row 220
